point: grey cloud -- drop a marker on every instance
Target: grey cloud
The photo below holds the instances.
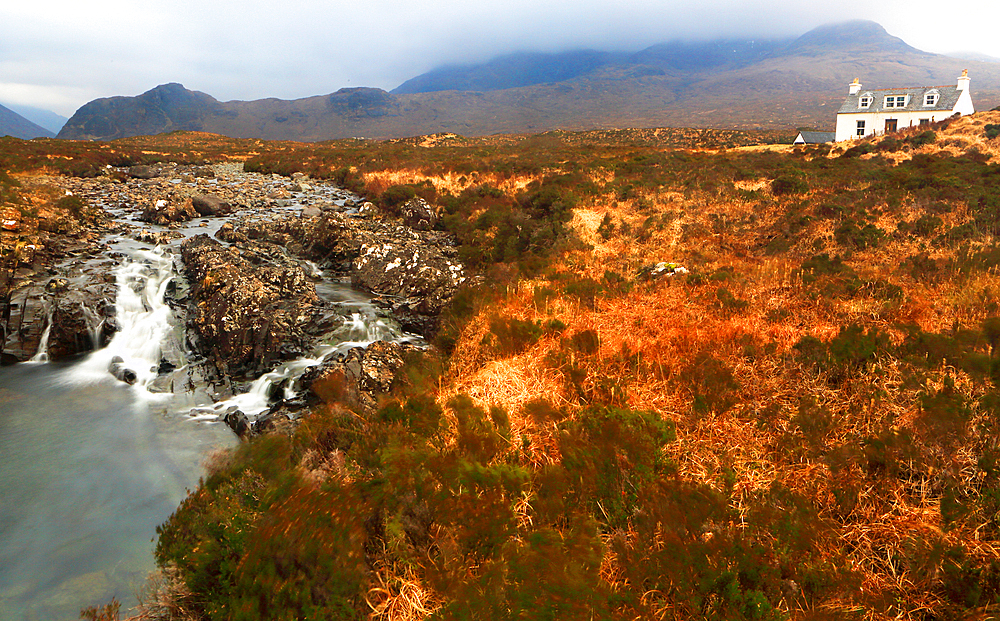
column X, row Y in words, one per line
column 255, row 49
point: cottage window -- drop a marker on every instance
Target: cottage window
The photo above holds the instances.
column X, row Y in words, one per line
column 866, row 101
column 861, row 128
column 895, row 101
column 930, row 99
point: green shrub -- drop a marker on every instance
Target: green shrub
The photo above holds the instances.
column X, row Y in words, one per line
column 714, row 387
column 789, row 183
column 858, row 150
column 509, row 336
column 586, row 342
column 610, row 456
column 923, row 138
column 729, row 302
column 853, row 351
column 856, row 237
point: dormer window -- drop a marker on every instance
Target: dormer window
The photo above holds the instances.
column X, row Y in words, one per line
column 930, row 99
column 866, row 101
column 895, row 101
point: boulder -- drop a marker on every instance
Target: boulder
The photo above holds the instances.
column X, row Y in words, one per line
column 210, row 205
column 163, row 212
column 356, row 379
column 418, row 269
column 238, row 422
column 422, row 277
column 80, row 320
column 418, row 214
column 229, row 235
column 120, row 372
column 143, row 172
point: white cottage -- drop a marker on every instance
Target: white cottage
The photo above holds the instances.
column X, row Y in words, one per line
column 867, row 112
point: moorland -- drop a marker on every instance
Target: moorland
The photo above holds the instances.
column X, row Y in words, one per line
column 698, row 375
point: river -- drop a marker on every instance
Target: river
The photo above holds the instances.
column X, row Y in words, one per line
column 88, row 469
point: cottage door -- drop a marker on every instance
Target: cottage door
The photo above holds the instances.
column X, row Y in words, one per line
column 890, row 125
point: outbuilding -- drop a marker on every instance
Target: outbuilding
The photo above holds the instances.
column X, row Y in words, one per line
column 814, row 137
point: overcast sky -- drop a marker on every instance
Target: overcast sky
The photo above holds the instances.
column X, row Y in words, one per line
column 58, row 55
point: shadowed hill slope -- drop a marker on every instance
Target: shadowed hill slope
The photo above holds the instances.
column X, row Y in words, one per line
column 13, row 124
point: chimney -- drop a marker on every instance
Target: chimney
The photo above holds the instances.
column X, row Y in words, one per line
column 963, row 81
column 855, row 87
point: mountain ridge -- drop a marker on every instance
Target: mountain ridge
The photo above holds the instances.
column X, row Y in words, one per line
column 13, row 124
column 738, row 84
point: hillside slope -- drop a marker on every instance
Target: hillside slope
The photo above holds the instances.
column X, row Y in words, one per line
column 13, row 124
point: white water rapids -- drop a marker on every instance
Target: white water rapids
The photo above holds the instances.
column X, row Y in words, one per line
column 143, row 316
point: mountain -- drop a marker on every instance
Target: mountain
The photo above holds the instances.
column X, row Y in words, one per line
column 738, row 84
column 516, row 70
column 39, row 116
column 13, row 124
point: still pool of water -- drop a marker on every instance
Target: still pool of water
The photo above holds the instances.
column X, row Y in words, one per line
column 87, row 472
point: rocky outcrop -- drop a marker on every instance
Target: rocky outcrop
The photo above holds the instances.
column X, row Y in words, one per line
column 417, row 270
column 420, row 273
column 248, row 305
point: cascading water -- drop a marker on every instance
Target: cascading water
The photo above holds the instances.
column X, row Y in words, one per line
column 42, row 355
column 144, row 320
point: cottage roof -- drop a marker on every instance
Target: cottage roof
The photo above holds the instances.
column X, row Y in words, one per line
column 817, row 137
column 947, row 98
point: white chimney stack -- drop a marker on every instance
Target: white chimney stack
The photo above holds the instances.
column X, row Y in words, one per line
column 963, row 81
column 855, row 87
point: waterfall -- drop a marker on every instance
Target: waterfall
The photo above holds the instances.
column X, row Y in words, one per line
column 144, row 319
column 94, row 324
column 42, row 355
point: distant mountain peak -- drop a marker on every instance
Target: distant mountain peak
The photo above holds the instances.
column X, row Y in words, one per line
column 851, row 36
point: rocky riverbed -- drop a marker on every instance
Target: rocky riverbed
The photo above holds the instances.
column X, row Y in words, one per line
column 249, row 251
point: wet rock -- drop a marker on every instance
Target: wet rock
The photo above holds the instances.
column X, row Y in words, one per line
column 229, row 235
column 56, row 285
column 24, row 322
column 238, row 422
column 247, row 304
column 417, row 213
column 156, row 238
column 417, row 269
column 120, row 372
column 163, row 212
column 359, row 378
column 77, row 325
column 279, row 419
column 210, row 205
column 421, row 276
